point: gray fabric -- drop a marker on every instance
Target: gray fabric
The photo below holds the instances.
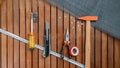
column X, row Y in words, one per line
column 107, row 10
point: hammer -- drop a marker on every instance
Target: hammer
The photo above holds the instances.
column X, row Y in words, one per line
column 88, row 20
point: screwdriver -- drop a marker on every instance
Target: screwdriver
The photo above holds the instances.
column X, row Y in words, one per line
column 31, row 35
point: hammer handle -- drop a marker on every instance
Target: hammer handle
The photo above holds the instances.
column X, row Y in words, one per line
column 88, row 44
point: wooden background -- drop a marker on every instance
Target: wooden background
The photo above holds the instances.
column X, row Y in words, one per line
column 15, row 17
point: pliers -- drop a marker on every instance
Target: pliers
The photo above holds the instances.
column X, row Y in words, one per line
column 66, row 45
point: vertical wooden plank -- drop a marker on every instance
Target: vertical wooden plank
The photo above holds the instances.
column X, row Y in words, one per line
column 22, row 33
column 35, row 29
column 10, row 29
column 16, row 31
column 110, row 52
column 1, row 1
column 47, row 19
column 104, row 50
column 98, row 49
column 0, row 36
column 3, row 37
column 41, row 32
column 28, row 52
column 92, row 47
column 53, row 36
column 72, row 36
column 78, row 41
column 83, row 38
column 82, row 49
column 60, row 35
column 117, row 53
column 66, row 26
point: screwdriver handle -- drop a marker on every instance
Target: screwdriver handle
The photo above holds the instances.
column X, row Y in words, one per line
column 31, row 41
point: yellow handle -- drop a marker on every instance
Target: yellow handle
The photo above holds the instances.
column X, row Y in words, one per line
column 31, row 41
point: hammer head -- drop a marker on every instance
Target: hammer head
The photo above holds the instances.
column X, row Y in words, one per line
column 89, row 18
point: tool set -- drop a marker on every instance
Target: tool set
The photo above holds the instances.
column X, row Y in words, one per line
column 72, row 50
column 42, row 48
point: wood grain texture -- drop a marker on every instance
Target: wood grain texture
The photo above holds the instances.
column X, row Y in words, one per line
column 41, row 32
column 60, row 35
column 72, row 36
column 92, row 47
column 83, row 42
column 28, row 52
column 0, row 36
column 83, row 37
column 110, row 52
column 117, row 53
column 78, row 41
column 1, row 1
column 104, row 50
column 22, row 33
column 10, row 29
column 66, row 26
column 15, row 18
column 35, row 30
column 53, row 36
column 97, row 49
column 3, row 37
column 16, row 31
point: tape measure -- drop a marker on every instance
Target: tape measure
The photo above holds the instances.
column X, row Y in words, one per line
column 74, row 51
